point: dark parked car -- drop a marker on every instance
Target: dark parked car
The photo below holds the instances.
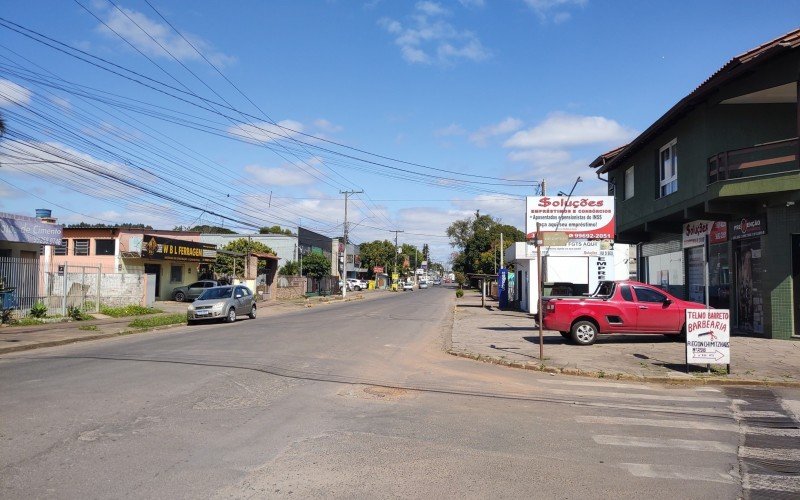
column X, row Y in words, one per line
column 192, row 291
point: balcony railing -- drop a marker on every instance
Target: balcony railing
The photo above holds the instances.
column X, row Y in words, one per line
column 764, row 159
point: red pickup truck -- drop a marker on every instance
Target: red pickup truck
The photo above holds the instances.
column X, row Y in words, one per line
column 617, row 307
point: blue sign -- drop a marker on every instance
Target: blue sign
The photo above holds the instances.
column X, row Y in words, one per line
column 502, row 287
column 22, row 229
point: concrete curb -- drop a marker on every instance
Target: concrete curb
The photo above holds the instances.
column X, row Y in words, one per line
column 691, row 380
column 55, row 343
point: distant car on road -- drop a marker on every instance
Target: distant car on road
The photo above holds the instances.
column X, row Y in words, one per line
column 192, row 291
column 408, row 286
column 356, row 284
column 222, row 303
column 423, row 284
column 437, row 282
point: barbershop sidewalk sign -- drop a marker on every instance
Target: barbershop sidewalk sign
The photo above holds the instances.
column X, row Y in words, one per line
column 708, row 337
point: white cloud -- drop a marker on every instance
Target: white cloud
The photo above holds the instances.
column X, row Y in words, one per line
column 11, row 93
column 261, row 132
column 554, row 9
column 560, row 130
column 125, row 23
column 472, row 3
column 540, row 156
column 428, row 39
column 326, row 126
column 483, row 134
column 61, row 102
column 451, row 130
column 284, row 175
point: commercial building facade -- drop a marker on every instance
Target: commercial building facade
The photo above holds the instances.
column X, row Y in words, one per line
column 717, row 179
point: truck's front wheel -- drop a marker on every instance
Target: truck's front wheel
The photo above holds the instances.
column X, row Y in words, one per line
column 584, row 333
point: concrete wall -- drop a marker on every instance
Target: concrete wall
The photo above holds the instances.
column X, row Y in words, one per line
column 116, row 289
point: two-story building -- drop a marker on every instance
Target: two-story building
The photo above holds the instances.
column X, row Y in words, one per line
column 722, row 163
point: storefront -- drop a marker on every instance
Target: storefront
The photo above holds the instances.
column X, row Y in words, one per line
column 746, row 236
column 173, row 262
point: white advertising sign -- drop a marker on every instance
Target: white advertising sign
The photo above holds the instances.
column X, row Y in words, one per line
column 694, row 233
column 575, row 248
column 708, row 338
column 581, row 217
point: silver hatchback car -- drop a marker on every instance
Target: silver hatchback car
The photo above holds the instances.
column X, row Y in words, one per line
column 222, row 303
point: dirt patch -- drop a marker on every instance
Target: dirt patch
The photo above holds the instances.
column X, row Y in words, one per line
column 375, row 392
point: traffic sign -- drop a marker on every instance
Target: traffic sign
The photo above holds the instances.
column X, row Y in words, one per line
column 708, row 337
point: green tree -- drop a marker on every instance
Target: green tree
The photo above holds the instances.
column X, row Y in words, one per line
column 291, row 268
column 316, row 265
column 478, row 238
column 225, row 263
column 377, row 253
column 275, row 230
column 206, row 229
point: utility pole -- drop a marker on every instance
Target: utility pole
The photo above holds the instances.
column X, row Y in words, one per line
column 394, row 270
column 344, row 254
column 544, row 187
column 501, row 251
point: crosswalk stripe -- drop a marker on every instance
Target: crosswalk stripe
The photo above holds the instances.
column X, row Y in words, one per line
column 627, row 395
column 788, row 484
column 615, row 385
column 653, row 422
column 771, row 431
column 792, row 406
column 769, row 453
column 650, row 442
column 690, row 410
column 758, row 414
column 679, row 472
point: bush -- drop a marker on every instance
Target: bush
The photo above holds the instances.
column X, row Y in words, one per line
column 459, row 293
column 171, row 319
column 39, row 310
column 130, row 310
column 75, row 313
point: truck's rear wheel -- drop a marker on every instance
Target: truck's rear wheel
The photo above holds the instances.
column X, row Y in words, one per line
column 584, row 333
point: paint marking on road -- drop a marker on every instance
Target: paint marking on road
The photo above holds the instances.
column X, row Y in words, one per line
column 689, row 410
column 758, row 414
column 652, row 422
column 627, row 395
column 679, row 472
column 788, row 484
column 707, row 389
column 769, row 453
column 793, row 407
column 770, row 431
column 614, row 385
column 680, row 444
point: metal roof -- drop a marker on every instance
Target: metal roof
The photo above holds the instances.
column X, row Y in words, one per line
column 731, row 69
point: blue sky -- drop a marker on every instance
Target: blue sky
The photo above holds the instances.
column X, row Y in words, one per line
column 520, row 89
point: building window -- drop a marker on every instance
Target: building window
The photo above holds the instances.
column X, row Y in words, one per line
column 176, row 274
column 628, row 188
column 81, row 247
column 668, row 169
column 104, row 247
column 61, row 249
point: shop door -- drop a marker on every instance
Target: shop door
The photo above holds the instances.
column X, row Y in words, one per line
column 695, row 275
column 155, row 269
column 749, row 286
column 796, row 281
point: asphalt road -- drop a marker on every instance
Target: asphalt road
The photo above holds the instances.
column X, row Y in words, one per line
column 353, row 400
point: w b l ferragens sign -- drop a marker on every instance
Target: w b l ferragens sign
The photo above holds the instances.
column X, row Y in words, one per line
column 581, row 217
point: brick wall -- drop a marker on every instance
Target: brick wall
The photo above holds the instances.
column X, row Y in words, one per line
column 290, row 287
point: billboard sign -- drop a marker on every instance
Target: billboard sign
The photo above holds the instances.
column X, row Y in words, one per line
column 749, row 227
column 160, row 248
column 694, row 233
column 377, row 269
column 575, row 248
column 708, row 337
column 581, row 217
column 22, row 229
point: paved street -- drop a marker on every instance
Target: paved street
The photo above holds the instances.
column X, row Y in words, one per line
column 359, row 400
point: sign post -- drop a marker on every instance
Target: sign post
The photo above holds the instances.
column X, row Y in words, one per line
column 540, row 287
column 708, row 337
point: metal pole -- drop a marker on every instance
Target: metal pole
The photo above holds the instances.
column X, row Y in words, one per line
column 539, row 287
column 64, row 289
column 344, row 254
column 501, row 251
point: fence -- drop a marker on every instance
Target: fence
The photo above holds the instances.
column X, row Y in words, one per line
column 326, row 285
column 64, row 286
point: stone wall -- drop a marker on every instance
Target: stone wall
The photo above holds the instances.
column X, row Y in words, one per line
column 290, row 287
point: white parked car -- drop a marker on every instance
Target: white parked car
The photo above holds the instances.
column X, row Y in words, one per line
column 356, row 284
column 408, row 286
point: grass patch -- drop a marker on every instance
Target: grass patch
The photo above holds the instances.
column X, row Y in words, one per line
column 27, row 322
column 170, row 319
column 131, row 310
column 88, row 328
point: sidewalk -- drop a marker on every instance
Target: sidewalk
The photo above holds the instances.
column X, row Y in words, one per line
column 21, row 338
column 512, row 338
